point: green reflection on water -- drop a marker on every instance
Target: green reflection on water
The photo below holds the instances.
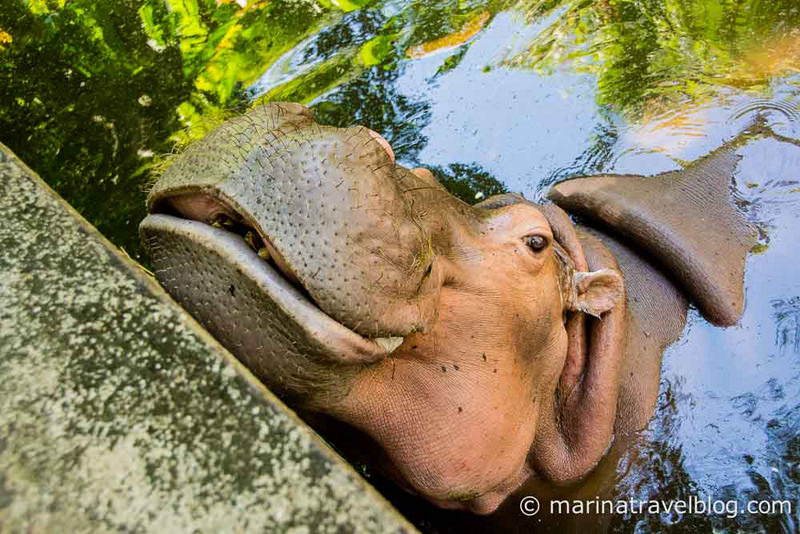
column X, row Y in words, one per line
column 658, row 52
column 91, row 91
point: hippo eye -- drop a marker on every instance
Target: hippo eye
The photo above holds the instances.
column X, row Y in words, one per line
column 536, row 243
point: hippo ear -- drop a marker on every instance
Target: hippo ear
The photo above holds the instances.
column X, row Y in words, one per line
column 595, row 292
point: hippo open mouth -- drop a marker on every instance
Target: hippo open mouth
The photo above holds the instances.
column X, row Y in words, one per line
column 232, row 236
column 297, row 245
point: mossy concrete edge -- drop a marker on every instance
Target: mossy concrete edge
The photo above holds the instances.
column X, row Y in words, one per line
column 124, row 414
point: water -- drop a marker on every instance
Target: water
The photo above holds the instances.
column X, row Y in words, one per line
column 493, row 96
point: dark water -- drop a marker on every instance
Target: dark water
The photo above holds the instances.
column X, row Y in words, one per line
column 492, row 96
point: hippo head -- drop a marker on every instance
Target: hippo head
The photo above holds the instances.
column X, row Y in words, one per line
column 353, row 286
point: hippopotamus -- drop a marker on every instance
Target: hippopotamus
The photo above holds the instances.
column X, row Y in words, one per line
column 475, row 346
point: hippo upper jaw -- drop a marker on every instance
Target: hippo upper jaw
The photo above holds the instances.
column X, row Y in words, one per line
column 351, row 225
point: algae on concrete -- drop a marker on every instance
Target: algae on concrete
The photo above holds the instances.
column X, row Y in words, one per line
column 119, row 413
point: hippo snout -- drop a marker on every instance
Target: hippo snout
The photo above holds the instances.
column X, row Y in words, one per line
column 328, row 204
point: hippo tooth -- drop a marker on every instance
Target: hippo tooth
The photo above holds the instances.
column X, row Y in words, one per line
column 389, row 343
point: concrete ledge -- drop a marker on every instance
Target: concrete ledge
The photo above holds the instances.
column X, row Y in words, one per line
column 119, row 413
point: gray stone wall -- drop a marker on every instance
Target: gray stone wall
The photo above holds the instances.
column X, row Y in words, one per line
column 119, row 413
